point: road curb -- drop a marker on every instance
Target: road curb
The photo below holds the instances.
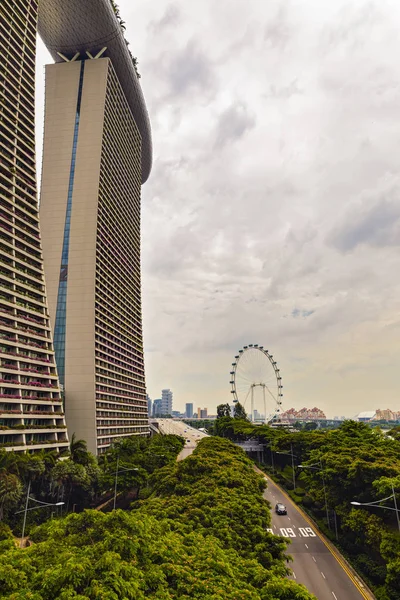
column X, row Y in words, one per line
column 346, row 566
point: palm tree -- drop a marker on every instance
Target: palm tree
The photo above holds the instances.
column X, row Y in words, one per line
column 78, row 451
column 10, row 491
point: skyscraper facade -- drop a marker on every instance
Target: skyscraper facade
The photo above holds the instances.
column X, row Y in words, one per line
column 157, row 407
column 166, row 402
column 96, row 155
column 189, row 410
column 31, row 411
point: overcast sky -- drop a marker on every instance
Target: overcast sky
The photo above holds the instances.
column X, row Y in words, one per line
column 272, row 214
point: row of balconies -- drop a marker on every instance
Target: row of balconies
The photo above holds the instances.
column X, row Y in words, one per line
column 130, row 337
column 120, row 302
column 9, row 324
column 27, row 400
column 20, row 230
column 32, row 356
column 110, row 382
column 30, row 409
column 108, row 438
column 108, row 258
column 25, row 153
column 14, row 251
column 21, row 199
column 104, row 347
column 13, row 265
column 107, row 403
column 5, row 385
column 19, row 442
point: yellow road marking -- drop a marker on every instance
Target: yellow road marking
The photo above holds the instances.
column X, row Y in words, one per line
column 330, row 547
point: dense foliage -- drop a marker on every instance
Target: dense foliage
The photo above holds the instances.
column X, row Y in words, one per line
column 358, row 463
column 201, row 534
column 78, row 479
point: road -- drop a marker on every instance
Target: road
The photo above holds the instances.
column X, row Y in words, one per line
column 314, row 564
column 191, row 435
column 320, row 569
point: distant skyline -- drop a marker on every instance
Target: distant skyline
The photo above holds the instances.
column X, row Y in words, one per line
column 272, row 214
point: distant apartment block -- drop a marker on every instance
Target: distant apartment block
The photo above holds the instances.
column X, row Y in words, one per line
column 189, row 410
column 166, row 402
column 310, row 414
column 157, row 407
column 31, row 411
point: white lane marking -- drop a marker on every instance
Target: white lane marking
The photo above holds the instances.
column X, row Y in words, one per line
column 306, row 546
column 314, row 559
column 270, row 530
column 294, row 575
column 274, row 526
column 289, row 518
column 323, row 575
column 334, row 595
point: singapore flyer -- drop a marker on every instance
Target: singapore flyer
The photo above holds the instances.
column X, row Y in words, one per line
column 256, row 382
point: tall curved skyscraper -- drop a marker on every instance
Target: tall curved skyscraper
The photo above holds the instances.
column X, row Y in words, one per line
column 31, row 412
column 97, row 153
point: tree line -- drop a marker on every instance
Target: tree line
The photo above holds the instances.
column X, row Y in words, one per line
column 353, row 463
column 197, row 531
column 78, row 478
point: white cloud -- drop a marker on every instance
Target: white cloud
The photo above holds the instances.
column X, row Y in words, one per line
column 272, row 212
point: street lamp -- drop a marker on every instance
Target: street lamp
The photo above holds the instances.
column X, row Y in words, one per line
column 292, row 455
column 320, row 468
column 25, row 510
column 377, row 502
column 122, row 470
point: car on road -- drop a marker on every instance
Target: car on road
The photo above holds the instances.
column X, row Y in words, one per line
column 280, row 509
column 188, row 441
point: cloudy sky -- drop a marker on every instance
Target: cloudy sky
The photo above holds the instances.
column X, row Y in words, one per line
column 272, row 214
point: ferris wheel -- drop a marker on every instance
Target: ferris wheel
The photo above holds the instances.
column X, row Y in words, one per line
column 255, row 379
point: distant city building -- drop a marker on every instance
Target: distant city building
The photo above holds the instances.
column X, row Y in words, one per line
column 149, row 406
column 176, row 413
column 157, row 407
column 166, row 402
column 308, row 414
column 378, row 415
column 386, row 415
column 365, row 416
column 203, row 413
column 189, row 411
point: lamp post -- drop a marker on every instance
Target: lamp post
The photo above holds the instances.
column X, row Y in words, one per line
column 25, row 510
column 122, row 470
column 320, row 468
column 377, row 502
column 292, row 455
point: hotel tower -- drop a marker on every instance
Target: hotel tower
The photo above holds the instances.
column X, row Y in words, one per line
column 31, row 411
column 96, row 155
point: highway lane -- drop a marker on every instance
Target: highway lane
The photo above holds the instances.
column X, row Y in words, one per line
column 313, row 564
column 191, row 434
